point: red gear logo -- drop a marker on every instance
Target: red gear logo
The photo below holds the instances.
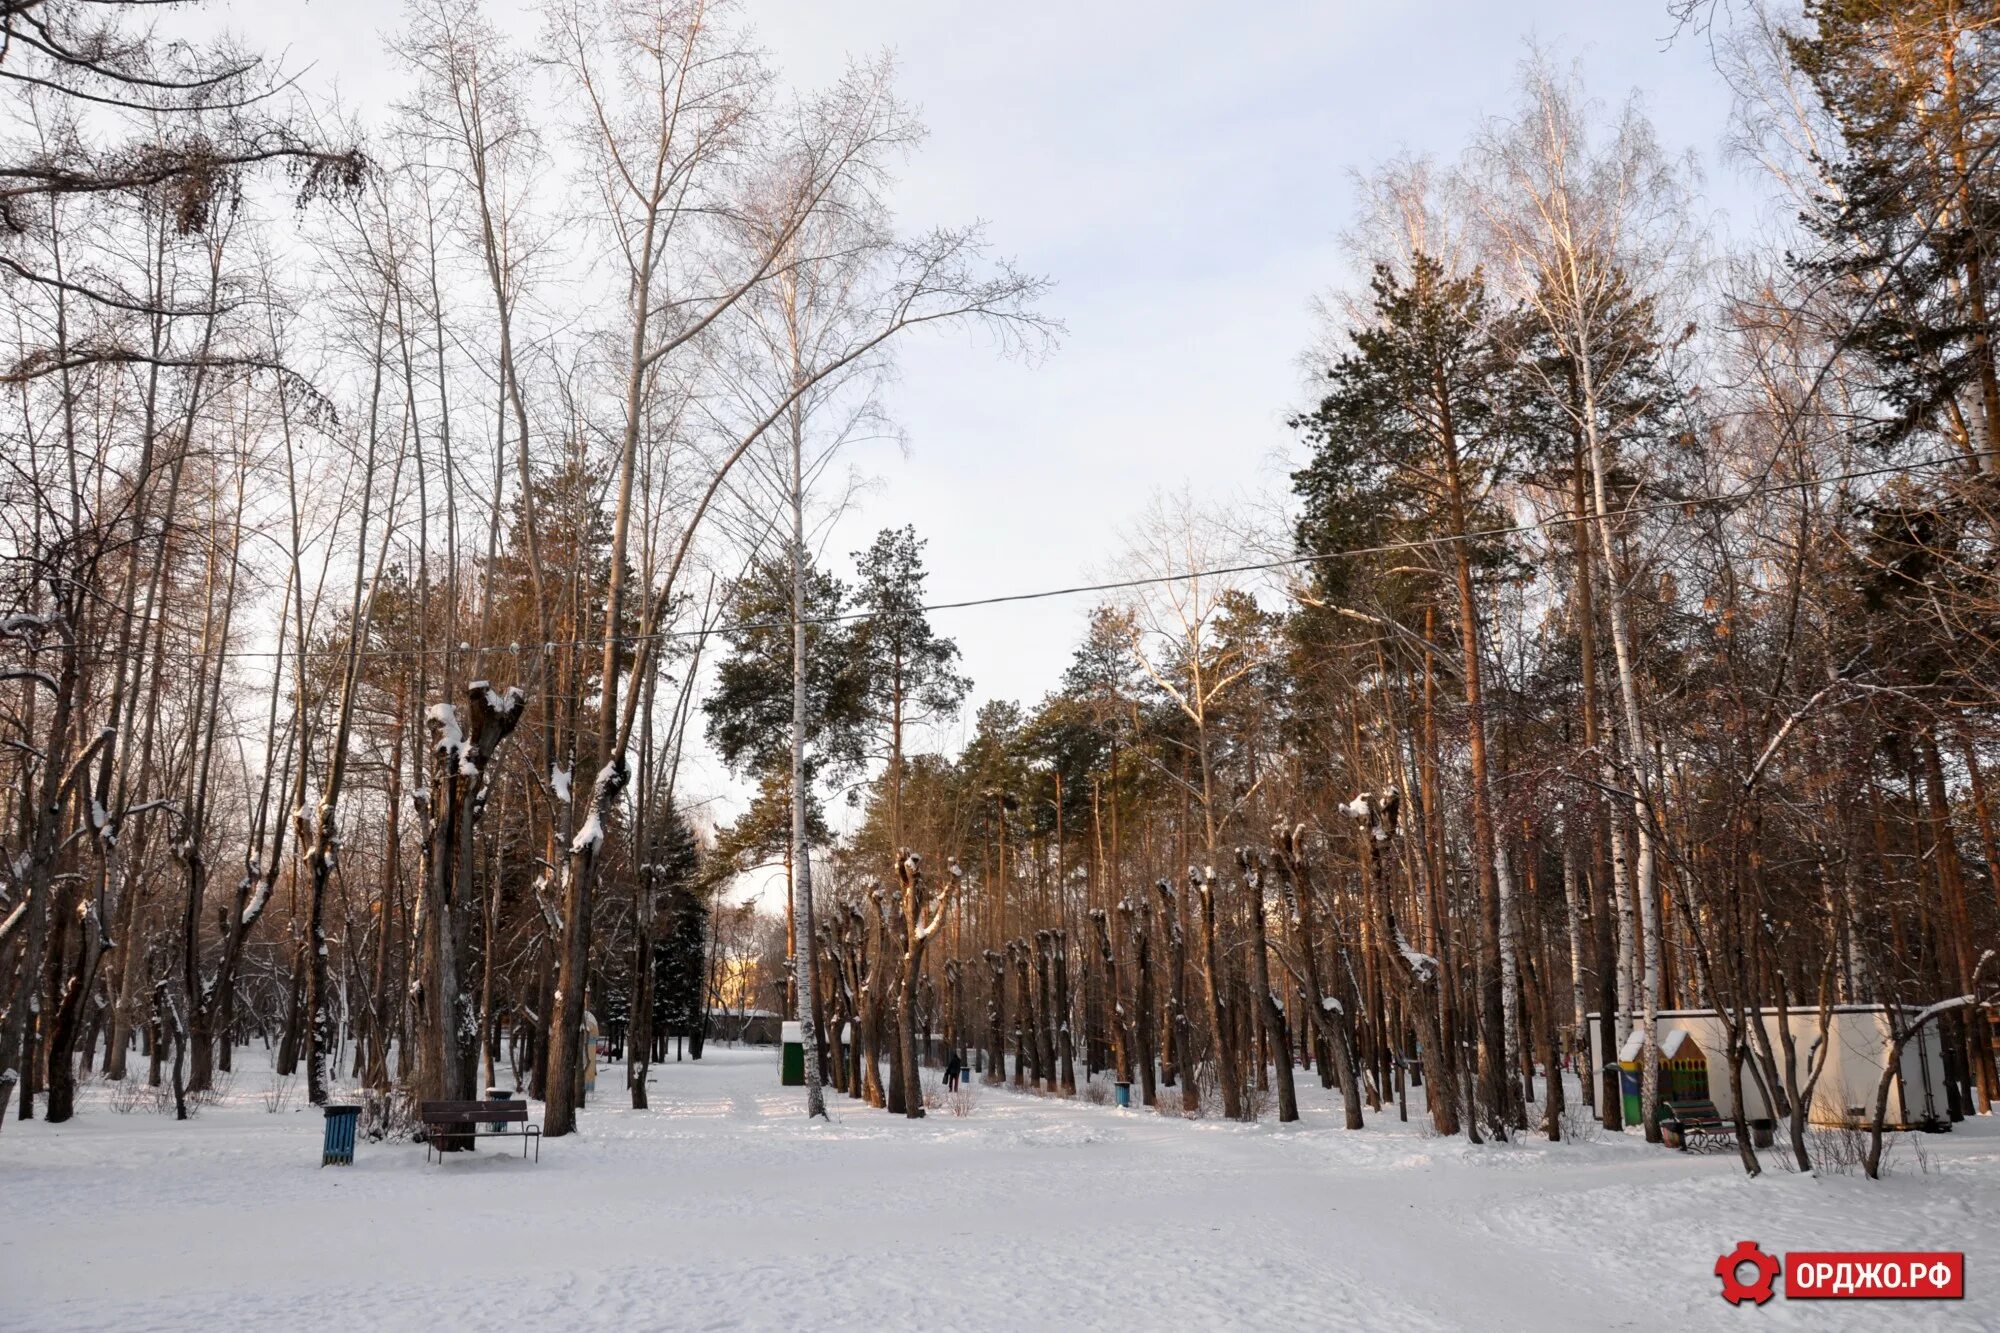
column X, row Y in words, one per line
column 1736, row 1291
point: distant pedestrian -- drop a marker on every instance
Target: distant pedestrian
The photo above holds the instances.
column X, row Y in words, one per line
column 953, row 1067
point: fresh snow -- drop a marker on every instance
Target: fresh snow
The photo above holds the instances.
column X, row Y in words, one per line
column 259, row 896
column 1422, row 965
column 25, row 626
column 41, row 678
column 723, row 1207
column 450, row 739
column 591, row 836
column 501, row 702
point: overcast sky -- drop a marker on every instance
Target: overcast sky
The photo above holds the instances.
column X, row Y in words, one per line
column 1183, row 174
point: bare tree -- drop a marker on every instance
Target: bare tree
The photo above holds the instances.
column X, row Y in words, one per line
column 1572, row 222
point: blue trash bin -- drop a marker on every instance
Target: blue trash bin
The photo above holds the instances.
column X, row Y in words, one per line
column 1121, row 1092
column 501, row 1095
column 339, row 1147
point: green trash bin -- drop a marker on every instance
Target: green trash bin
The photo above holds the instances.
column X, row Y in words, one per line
column 792, row 1046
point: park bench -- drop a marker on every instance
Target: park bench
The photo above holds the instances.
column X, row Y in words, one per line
column 1700, row 1124
column 465, row 1120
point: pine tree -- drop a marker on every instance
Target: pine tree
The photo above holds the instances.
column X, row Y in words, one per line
column 750, row 708
column 750, row 712
column 680, row 961
column 1911, row 207
column 906, row 670
column 1415, row 414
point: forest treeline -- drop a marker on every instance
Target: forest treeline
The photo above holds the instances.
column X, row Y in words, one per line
column 392, row 505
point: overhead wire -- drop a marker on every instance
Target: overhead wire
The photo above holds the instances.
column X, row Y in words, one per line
column 1307, row 559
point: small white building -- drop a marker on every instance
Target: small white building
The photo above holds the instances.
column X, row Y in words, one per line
column 1692, row 1047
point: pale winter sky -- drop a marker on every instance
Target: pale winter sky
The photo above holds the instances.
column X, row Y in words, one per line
column 1181, row 170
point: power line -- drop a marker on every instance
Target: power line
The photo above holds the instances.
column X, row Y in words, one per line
column 1550, row 523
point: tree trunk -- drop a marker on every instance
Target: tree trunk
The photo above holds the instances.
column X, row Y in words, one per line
column 1179, row 1022
column 996, row 1017
column 1139, row 918
column 1114, row 996
column 1228, row 1075
column 1274, row 1011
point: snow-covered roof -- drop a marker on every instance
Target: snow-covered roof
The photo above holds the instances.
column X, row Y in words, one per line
column 1671, row 1042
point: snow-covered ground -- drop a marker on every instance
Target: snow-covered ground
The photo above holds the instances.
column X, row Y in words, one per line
column 723, row 1208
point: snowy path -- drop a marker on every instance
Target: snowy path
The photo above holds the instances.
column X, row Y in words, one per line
column 722, row 1208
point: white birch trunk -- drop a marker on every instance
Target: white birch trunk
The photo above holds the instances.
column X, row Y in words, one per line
column 1634, row 736
column 1573, row 926
column 1510, row 1003
column 802, row 904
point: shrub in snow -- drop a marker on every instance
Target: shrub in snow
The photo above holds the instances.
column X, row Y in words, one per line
column 132, row 1095
column 215, row 1094
column 389, row 1115
column 1579, row 1122
column 1842, row 1149
column 278, row 1097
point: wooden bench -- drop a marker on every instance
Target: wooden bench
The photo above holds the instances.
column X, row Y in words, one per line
column 463, row 1120
column 1700, row 1124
